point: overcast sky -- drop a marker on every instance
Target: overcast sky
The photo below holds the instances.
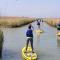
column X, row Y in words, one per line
column 30, row 8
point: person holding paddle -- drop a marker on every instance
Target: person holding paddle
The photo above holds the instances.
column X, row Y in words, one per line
column 29, row 35
column 38, row 24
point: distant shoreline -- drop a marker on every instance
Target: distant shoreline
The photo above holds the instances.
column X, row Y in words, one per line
column 12, row 22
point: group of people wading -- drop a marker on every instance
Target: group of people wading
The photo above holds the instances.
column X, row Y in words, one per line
column 29, row 34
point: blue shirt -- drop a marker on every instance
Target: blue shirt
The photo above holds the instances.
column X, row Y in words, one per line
column 29, row 33
column 38, row 23
column 58, row 24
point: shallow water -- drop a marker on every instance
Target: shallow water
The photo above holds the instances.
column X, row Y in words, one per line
column 46, row 45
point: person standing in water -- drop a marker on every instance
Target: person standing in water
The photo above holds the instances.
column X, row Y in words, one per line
column 29, row 35
column 38, row 24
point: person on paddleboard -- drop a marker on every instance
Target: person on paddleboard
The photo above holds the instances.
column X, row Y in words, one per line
column 58, row 26
column 38, row 24
column 29, row 35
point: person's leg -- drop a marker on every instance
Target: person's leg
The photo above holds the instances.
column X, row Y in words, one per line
column 31, row 41
column 27, row 44
column 39, row 26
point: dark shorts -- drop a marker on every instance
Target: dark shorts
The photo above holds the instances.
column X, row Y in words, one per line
column 30, row 39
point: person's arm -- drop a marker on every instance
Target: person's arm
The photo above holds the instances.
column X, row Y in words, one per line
column 32, row 28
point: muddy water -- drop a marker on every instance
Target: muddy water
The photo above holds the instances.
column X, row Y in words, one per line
column 46, row 45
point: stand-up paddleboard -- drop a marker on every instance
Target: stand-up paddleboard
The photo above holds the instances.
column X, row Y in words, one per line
column 39, row 31
column 58, row 33
column 28, row 55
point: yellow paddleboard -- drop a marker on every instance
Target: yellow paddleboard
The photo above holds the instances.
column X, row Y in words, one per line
column 28, row 55
column 58, row 33
column 39, row 31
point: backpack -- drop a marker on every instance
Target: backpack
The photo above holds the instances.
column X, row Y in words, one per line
column 29, row 33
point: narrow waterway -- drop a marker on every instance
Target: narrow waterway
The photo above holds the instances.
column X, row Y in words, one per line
column 46, row 45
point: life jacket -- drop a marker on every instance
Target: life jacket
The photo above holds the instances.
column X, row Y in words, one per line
column 29, row 33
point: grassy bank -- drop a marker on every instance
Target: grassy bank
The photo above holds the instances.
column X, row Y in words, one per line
column 14, row 21
column 1, row 43
column 52, row 21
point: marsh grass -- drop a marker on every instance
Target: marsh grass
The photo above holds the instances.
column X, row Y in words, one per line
column 52, row 21
column 1, row 42
column 14, row 21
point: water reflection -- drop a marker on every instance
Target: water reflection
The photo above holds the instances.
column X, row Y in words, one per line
column 58, row 43
column 58, row 37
